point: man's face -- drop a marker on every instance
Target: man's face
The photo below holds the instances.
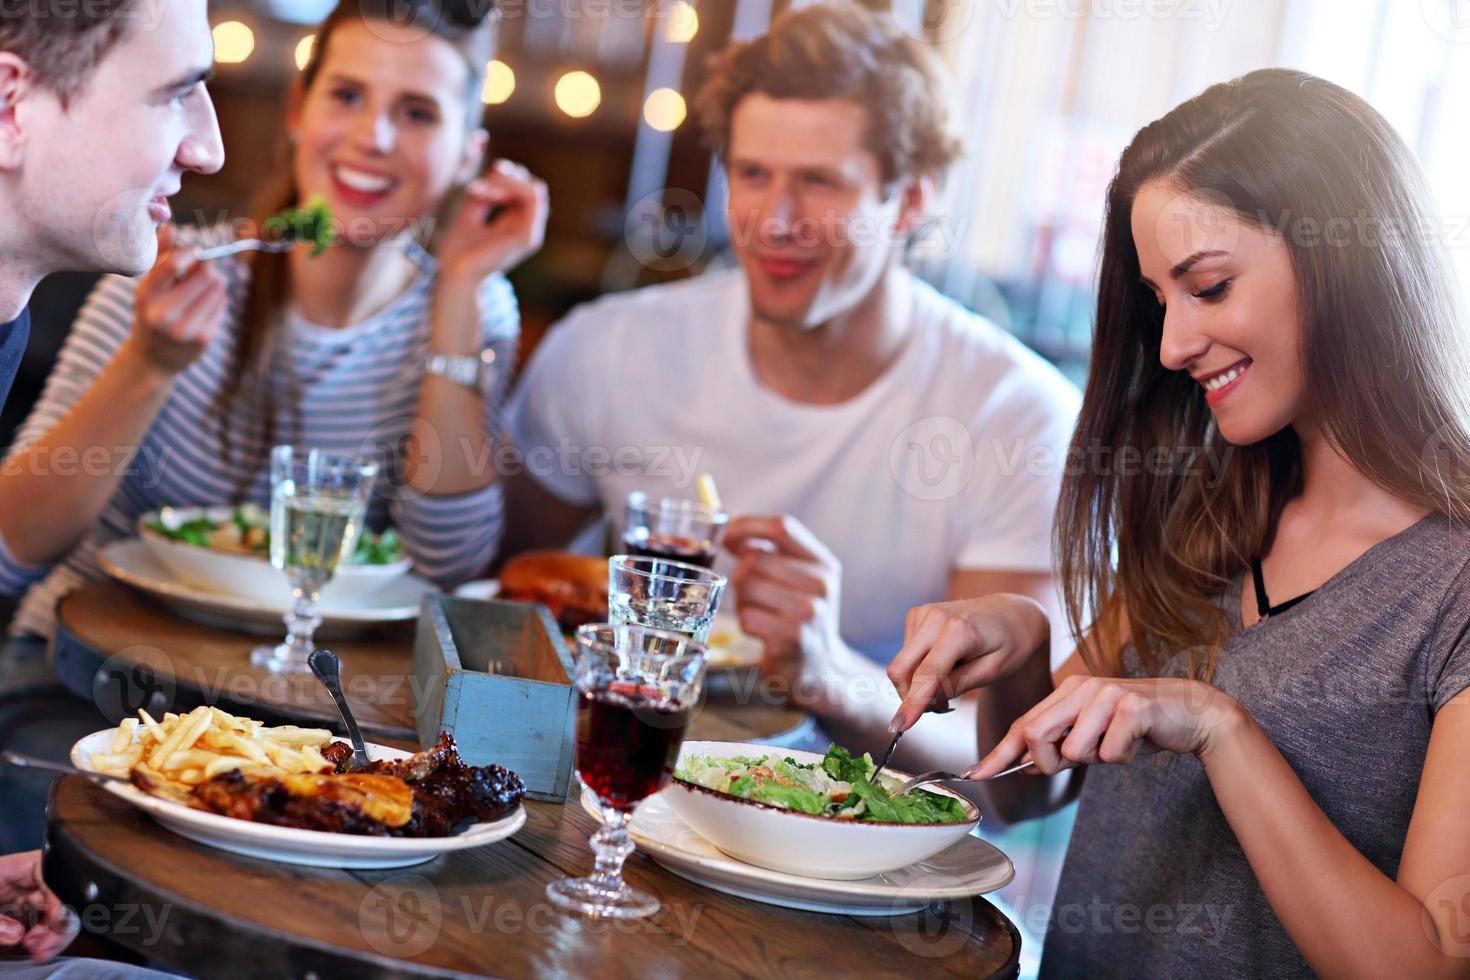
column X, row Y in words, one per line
column 813, row 224
column 96, row 175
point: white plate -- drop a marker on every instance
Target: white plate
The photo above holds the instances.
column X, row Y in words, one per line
column 316, row 848
column 483, row 589
column 971, row 867
column 131, row 563
column 251, row 576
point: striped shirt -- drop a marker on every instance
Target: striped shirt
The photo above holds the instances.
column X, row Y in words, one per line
column 353, row 389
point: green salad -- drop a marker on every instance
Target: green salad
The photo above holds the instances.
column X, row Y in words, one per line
column 311, row 225
column 248, row 532
column 840, row 787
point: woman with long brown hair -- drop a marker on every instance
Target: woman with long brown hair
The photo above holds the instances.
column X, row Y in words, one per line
column 1267, row 706
column 376, row 346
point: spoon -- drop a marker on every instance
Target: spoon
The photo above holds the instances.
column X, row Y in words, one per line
column 328, row 669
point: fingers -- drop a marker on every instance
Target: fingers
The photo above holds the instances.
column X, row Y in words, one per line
column 921, row 628
column 48, row 939
column 921, row 665
column 1080, row 746
column 182, row 311
column 1126, row 731
column 787, row 573
column 775, row 598
column 20, row 872
column 1039, row 731
column 789, row 536
column 11, row 931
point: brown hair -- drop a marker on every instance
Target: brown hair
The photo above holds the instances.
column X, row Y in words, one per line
column 64, row 46
column 1385, row 355
column 842, row 51
column 265, row 296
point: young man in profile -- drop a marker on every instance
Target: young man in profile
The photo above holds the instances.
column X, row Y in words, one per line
column 102, row 109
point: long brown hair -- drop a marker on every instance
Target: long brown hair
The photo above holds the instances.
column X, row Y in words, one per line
column 270, row 276
column 1384, row 350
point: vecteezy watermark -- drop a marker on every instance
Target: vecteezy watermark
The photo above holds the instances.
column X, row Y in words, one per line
column 1450, row 19
column 137, row 678
column 937, row 930
column 933, row 459
column 137, row 923
column 1211, row 13
column 935, row 21
column 938, row 236
column 1206, row 921
column 666, row 231
column 1446, row 916
column 146, row 14
column 403, row 916
column 361, row 231
column 143, row 465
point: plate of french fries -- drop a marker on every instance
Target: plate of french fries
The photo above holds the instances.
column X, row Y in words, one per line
column 177, row 752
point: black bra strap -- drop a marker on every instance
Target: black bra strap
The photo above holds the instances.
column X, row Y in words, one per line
column 1263, row 604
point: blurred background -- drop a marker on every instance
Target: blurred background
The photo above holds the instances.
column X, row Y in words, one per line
column 591, row 96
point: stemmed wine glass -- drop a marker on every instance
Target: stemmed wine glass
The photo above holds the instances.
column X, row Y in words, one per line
column 318, row 502
column 637, row 688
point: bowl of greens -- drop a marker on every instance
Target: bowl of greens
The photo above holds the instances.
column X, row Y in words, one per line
column 227, row 550
column 805, row 813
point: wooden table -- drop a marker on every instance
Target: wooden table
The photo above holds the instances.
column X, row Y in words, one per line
column 472, row 913
column 126, row 651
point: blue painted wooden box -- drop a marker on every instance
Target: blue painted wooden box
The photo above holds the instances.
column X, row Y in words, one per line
column 497, row 676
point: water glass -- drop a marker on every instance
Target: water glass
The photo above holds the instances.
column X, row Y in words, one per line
column 663, row 594
column 318, row 502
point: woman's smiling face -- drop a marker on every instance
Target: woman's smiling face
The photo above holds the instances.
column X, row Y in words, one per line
column 1230, row 309
column 382, row 133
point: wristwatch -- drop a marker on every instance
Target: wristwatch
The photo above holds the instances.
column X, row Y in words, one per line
column 462, row 369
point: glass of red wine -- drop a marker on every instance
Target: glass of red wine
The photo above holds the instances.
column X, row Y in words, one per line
column 636, row 688
column 672, row 527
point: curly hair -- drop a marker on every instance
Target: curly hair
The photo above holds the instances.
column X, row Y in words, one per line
column 843, row 51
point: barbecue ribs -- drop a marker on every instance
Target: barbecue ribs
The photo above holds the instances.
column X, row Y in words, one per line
column 424, row 795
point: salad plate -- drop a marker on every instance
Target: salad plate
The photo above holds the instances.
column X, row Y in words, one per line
column 131, row 562
column 969, row 867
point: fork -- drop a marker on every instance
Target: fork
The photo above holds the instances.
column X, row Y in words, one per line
column 244, row 245
column 939, row 776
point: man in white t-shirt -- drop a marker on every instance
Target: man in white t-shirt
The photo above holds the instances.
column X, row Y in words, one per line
column 886, row 447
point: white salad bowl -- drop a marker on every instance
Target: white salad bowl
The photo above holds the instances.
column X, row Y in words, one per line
column 802, row 843
column 250, row 576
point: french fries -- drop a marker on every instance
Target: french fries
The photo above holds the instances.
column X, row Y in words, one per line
column 182, row 751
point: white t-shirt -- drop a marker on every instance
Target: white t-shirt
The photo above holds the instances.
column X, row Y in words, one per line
column 951, row 459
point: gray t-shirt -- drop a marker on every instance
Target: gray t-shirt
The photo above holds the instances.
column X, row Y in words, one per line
column 1346, row 684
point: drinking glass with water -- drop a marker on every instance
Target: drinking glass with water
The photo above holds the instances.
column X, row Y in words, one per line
column 318, row 503
column 663, row 594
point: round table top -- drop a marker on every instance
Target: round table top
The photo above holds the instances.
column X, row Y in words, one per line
column 126, row 651
column 469, row 913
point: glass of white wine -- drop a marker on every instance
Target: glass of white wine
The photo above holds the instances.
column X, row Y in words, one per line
column 318, row 503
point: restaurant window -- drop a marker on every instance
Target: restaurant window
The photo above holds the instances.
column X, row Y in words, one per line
column 1052, row 90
